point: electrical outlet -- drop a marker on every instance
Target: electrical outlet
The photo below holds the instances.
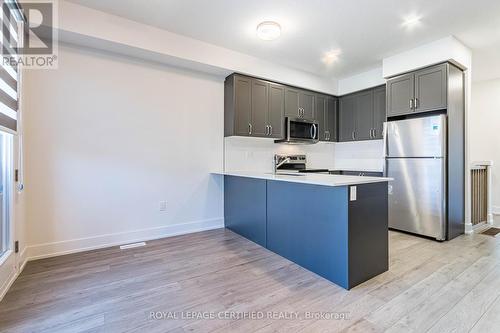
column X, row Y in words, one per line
column 163, row 206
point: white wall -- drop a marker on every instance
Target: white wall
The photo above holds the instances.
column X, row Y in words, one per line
column 445, row 49
column 107, row 138
column 364, row 80
column 483, row 130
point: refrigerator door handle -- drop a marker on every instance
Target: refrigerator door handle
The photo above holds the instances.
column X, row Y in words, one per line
column 384, row 152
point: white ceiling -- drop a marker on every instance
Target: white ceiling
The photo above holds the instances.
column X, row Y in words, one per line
column 365, row 31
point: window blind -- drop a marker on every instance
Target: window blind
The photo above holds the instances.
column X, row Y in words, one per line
column 9, row 71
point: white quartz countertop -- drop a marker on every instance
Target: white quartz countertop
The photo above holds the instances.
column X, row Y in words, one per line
column 308, row 178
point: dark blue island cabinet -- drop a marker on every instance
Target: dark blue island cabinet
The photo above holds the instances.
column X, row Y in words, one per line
column 339, row 235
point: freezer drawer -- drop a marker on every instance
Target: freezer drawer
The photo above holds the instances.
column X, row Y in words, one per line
column 418, row 137
column 417, row 198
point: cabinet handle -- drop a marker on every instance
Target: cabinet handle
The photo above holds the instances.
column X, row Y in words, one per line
column 267, row 129
column 416, row 103
column 353, row 135
column 270, row 129
column 249, row 129
column 315, row 131
column 374, row 133
column 411, row 104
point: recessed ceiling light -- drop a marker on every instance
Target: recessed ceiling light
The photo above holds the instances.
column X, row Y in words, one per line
column 331, row 56
column 268, row 30
column 411, row 21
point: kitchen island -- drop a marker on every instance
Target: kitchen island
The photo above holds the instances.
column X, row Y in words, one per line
column 335, row 226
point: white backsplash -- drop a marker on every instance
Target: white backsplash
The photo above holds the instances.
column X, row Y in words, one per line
column 256, row 154
column 360, row 155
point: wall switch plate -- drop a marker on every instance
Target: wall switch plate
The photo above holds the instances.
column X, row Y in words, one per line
column 353, row 193
column 163, row 206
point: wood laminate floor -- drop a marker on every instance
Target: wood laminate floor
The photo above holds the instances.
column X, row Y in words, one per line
column 170, row 284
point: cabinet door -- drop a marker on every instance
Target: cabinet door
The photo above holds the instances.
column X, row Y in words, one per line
column 430, row 89
column 292, row 102
column 243, row 105
column 320, row 117
column 245, row 207
column 260, row 107
column 276, row 114
column 364, row 115
column 379, row 112
column 400, row 94
column 331, row 118
column 347, row 116
column 306, row 102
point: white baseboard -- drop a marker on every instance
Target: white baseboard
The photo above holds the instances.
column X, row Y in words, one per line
column 8, row 273
column 23, row 259
column 5, row 287
column 47, row 250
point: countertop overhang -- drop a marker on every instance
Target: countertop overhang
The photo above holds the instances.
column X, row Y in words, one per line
column 311, row 179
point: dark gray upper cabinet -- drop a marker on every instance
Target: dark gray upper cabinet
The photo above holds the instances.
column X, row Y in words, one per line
column 299, row 103
column 320, row 117
column 400, row 94
column 420, row 91
column 379, row 112
column 306, row 103
column 292, row 102
column 326, row 116
column 260, row 108
column 430, row 89
column 276, row 110
column 255, row 107
column 347, row 118
column 364, row 116
column 238, row 96
column 331, row 118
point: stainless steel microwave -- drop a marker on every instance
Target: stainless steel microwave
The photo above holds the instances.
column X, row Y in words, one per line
column 300, row 131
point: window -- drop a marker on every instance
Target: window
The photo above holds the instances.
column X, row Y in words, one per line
column 11, row 39
column 5, row 190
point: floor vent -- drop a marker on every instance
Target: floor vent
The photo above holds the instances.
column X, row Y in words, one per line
column 491, row 232
column 131, row 246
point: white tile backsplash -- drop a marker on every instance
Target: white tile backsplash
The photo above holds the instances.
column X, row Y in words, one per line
column 256, row 154
column 359, row 155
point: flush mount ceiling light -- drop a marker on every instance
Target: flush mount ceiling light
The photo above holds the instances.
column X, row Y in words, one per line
column 268, row 30
column 331, row 56
column 411, row 21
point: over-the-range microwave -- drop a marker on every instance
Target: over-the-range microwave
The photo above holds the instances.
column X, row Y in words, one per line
column 300, row 131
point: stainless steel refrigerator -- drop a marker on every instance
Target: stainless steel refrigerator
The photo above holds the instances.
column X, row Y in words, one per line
column 416, row 159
